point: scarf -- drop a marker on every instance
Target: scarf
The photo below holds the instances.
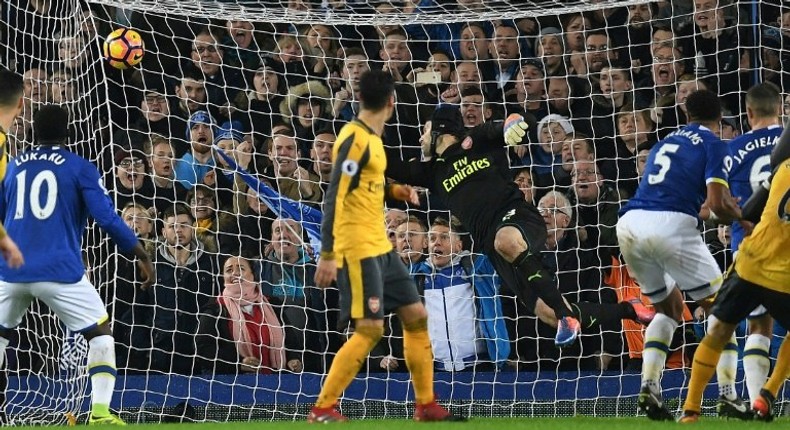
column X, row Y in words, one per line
column 204, row 225
column 234, row 296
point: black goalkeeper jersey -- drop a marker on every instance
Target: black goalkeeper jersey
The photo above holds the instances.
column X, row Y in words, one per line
column 472, row 178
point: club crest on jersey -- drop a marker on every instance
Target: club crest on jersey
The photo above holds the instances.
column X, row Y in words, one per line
column 467, row 143
column 349, row 167
column 509, row 215
column 374, row 304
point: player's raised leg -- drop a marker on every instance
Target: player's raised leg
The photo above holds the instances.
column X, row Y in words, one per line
column 522, row 269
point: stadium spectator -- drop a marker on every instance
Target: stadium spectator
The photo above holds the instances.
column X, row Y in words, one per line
column 346, row 104
column 321, row 45
column 546, row 156
column 155, row 117
column 716, row 47
column 191, row 93
column 186, row 282
column 241, row 48
column 667, row 67
column 530, row 90
column 254, row 222
column 287, row 274
column 599, row 52
column 523, row 178
column 411, row 241
column 63, row 88
column 132, row 184
column 258, row 108
column 291, row 179
column 222, row 82
column 239, row 332
column 193, row 166
column 574, row 26
column 167, row 191
column 635, row 50
column 36, row 91
column 474, row 107
column 429, row 91
column 465, row 319
column 506, row 56
column 634, row 130
column 466, row 74
column 289, row 60
column 615, row 91
column 551, row 50
column 215, row 225
column 394, row 217
column 306, row 109
column 596, row 204
column 396, row 54
column 321, row 155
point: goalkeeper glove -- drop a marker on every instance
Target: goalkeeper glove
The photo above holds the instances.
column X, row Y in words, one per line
column 515, row 128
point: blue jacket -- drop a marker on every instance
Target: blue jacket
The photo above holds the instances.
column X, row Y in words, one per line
column 464, row 310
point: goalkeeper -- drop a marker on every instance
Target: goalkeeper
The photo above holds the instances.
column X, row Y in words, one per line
column 470, row 172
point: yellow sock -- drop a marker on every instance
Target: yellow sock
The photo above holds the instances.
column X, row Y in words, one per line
column 781, row 370
column 347, row 363
column 419, row 359
column 702, row 370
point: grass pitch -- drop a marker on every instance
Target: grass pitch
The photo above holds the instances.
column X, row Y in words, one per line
column 574, row 423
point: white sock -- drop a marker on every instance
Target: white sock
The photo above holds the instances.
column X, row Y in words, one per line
column 101, row 367
column 3, row 345
column 756, row 363
column 658, row 336
column 727, row 367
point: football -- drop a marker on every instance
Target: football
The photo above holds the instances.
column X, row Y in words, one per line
column 124, row 48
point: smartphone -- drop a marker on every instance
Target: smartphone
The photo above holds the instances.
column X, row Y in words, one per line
column 429, row 77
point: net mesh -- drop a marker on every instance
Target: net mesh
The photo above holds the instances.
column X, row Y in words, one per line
column 598, row 77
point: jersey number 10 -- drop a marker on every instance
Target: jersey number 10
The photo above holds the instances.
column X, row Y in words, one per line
column 42, row 213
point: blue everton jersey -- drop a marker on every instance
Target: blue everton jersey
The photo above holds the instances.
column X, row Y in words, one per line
column 678, row 170
column 748, row 166
column 47, row 195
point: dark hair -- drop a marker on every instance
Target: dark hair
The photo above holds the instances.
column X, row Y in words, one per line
column 473, row 90
column 375, row 89
column 11, row 88
column 764, row 99
column 354, row 50
column 596, row 32
column 703, row 105
column 192, row 73
column 176, row 210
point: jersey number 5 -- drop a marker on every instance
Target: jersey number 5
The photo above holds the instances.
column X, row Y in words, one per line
column 663, row 161
column 42, row 213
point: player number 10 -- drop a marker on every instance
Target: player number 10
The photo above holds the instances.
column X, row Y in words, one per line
column 39, row 212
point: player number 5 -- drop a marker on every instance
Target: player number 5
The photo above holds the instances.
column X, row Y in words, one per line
column 39, row 212
column 663, row 161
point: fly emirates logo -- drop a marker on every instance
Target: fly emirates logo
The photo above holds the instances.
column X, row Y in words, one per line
column 463, row 169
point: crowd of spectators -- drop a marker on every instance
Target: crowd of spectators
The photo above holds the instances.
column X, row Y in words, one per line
column 234, row 289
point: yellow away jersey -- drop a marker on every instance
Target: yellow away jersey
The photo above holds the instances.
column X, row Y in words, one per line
column 764, row 256
column 353, row 224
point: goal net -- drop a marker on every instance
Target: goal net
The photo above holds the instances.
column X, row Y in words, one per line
column 217, row 146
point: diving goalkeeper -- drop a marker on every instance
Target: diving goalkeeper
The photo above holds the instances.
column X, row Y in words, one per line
column 469, row 171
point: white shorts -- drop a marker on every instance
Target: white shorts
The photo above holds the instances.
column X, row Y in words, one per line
column 78, row 305
column 655, row 244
